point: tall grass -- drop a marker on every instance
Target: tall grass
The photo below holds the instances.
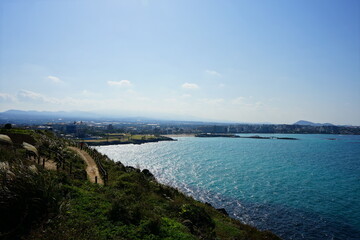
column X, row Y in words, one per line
column 27, row 195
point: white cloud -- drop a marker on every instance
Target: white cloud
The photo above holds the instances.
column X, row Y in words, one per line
column 221, row 85
column 213, row 73
column 40, row 101
column 121, row 83
column 27, row 95
column 55, row 79
column 30, row 94
column 190, row 86
column 7, row 97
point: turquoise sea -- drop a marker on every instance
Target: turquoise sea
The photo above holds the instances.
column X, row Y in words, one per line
column 299, row 189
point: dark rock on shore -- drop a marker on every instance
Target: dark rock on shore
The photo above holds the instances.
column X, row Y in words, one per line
column 216, row 135
column 280, row 138
column 287, row 138
column 148, row 174
column 223, row 211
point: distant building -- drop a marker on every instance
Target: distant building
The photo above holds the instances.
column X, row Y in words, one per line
column 71, row 128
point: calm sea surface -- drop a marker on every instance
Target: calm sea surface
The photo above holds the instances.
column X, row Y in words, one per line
column 303, row 189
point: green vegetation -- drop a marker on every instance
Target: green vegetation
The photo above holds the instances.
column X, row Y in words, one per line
column 41, row 204
column 125, row 138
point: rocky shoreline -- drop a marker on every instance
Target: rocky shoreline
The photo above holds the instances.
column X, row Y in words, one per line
column 280, row 138
column 217, row 135
column 237, row 136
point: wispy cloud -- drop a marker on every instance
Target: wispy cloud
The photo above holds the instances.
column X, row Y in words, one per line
column 30, row 94
column 7, row 97
column 190, row 86
column 131, row 91
column 238, row 100
column 186, row 95
column 88, row 93
column 55, row 79
column 213, row 73
column 247, row 102
column 30, row 97
column 121, row 83
column 33, row 96
column 212, row 101
column 171, row 100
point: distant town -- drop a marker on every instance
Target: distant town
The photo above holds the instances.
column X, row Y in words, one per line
column 83, row 127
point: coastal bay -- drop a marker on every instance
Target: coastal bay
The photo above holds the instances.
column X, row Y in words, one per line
column 283, row 186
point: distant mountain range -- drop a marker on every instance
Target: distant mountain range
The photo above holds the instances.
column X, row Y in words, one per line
column 308, row 123
column 20, row 116
column 39, row 117
column 32, row 115
column 130, row 116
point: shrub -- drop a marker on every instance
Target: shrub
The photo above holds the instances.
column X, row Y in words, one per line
column 150, row 226
column 124, row 212
column 202, row 224
column 26, row 196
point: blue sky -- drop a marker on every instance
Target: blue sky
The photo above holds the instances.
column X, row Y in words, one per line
column 245, row 61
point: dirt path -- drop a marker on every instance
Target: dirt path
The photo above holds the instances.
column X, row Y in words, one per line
column 91, row 168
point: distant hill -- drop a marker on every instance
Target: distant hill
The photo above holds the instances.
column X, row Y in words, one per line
column 308, row 123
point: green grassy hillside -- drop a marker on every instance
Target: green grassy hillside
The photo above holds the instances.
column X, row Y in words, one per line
column 36, row 203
